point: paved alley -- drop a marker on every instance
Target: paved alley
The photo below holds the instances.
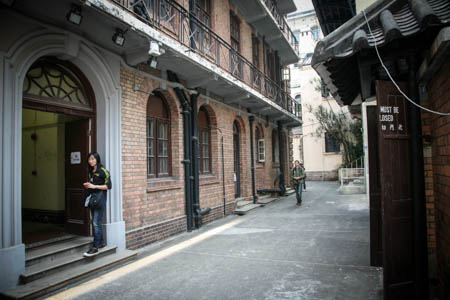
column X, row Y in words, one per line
column 317, row 251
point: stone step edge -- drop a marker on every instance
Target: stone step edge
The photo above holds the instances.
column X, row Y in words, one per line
column 266, row 201
column 245, row 209
column 53, row 266
column 78, row 273
column 83, row 241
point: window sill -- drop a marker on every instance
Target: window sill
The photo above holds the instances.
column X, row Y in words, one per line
column 163, row 184
column 207, row 179
column 331, row 153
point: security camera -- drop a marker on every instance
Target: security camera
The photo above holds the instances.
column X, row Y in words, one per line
column 155, row 50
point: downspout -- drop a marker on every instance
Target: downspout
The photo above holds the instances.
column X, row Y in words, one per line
column 281, row 156
column 186, row 139
column 198, row 213
column 223, row 181
column 251, row 119
column 418, row 192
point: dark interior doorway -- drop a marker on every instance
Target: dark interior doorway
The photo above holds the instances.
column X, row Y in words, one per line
column 58, row 132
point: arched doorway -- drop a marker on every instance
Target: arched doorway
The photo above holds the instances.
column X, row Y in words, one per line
column 58, row 131
column 237, row 163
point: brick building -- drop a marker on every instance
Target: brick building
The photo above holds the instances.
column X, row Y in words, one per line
column 174, row 95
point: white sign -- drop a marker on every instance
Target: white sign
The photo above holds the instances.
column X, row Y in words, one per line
column 75, row 158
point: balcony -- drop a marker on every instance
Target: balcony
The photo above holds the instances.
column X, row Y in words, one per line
column 266, row 18
column 220, row 68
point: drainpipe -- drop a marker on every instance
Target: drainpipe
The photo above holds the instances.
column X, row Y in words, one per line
column 187, row 151
column 252, row 157
column 195, row 168
column 418, row 192
column 281, row 156
column 223, row 181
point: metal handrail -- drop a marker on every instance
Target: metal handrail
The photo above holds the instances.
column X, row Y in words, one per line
column 173, row 19
column 287, row 32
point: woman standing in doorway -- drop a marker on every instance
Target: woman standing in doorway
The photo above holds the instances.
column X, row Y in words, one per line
column 99, row 182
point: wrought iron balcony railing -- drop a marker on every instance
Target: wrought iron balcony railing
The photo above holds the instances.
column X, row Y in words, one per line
column 175, row 21
column 284, row 27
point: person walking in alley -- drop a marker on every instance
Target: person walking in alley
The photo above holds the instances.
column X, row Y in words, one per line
column 304, row 179
column 99, row 182
column 297, row 178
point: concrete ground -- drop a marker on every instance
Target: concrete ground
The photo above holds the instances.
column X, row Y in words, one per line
column 317, row 251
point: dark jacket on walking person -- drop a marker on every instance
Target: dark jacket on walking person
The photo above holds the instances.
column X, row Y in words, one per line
column 297, row 178
column 99, row 182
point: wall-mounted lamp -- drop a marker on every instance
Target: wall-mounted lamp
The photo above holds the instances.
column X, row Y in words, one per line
column 118, row 37
column 74, row 15
column 152, row 62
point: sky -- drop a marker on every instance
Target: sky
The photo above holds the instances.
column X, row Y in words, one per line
column 303, row 5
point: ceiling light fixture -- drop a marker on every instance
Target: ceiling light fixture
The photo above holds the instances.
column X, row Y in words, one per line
column 152, row 62
column 74, row 15
column 118, row 37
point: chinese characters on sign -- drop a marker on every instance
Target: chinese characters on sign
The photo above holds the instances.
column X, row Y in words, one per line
column 391, row 119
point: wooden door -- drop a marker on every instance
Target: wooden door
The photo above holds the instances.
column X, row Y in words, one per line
column 396, row 193
column 237, row 172
column 376, row 225
column 77, row 149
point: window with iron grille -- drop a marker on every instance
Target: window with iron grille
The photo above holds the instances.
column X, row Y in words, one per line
column 260, row 145
column 204, row 141
column 255, row 50
column 158, row 138
column 235, row 63
column 331, row 144
column 203, row 11
column 315, row 33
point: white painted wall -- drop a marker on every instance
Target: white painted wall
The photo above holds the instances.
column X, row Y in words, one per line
column 305, row 81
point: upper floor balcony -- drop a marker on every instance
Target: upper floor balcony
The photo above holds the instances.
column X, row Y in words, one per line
column 267, row 17
column 199, row 56
column 203, row 59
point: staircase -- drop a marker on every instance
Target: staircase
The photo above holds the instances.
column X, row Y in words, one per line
column 54, row 265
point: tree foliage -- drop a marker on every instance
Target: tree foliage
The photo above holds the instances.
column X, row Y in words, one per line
column 346, row 131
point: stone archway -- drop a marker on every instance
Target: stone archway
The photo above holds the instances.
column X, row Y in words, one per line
column 102, row 71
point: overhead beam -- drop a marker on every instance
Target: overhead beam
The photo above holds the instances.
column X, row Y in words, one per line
column 256, row 18
column 238, row 98
column 274, row 37
column 137, row 56
column 198, row 82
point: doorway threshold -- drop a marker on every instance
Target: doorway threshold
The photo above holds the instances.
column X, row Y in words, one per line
column 64, row 237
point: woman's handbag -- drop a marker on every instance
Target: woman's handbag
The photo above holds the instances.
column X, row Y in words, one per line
column 94, row 200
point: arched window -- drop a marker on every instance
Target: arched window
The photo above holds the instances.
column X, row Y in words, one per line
column 275, row 146
column 158, row 138
column 53, row 82
column 260, row 145
column 204, row 141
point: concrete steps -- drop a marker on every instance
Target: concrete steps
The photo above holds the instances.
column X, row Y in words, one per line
column 245, row 209
column 266, row 199
column 60, row 264
column 55, row 265
column 289, row 191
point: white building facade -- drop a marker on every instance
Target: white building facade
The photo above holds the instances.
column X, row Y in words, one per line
column 320, row 154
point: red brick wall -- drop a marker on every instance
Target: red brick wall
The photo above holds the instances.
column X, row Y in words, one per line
column 155, row 208
column 438, row 165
